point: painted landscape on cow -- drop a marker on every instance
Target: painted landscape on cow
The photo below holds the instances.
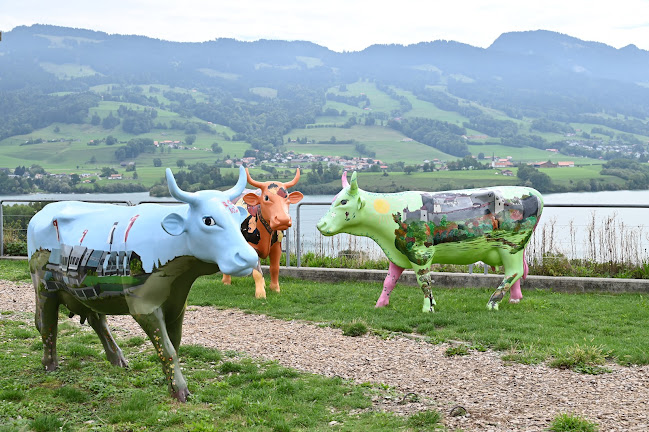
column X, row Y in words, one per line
column 104, row 259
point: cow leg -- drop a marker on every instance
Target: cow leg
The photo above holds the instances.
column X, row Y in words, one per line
column 425, row 281
column 113, row 352
column 275, row 255
column 155, row 327
column 175, row 329
column 47, row 321
column 515, row 294
column 394, row 273
column 260, row 283
column 227, row 279
column 514, row 268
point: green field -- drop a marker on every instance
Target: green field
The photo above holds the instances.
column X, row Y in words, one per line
column 73, row 154
column 387, row 143
column 379, row 101
column 528, row 154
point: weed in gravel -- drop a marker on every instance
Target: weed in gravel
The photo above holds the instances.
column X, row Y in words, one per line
column 584, row 359
column 526, row 355
column 458, row 350
column 426, row 420
column 572, row 423
column 354, row 328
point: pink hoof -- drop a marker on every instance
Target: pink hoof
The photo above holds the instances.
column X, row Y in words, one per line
column 382, row 302
column 515, row 294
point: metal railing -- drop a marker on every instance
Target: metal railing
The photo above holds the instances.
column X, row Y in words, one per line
column 27, row 201
column 286, row 244
column 298, row 251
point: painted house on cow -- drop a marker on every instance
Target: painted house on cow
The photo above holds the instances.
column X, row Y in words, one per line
column 268, row 216
column 104, row 259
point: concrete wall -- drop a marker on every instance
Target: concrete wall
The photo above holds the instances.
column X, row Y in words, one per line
column 450, row 280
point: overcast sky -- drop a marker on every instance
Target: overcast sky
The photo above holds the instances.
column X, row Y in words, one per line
column 341, row 25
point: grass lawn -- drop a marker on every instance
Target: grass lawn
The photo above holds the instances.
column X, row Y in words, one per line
column 229, row 392
column 543, row 325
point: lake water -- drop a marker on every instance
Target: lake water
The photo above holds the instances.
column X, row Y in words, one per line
column 599, row 234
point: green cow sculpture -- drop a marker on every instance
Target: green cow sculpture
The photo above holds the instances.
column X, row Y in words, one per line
column 418, row 229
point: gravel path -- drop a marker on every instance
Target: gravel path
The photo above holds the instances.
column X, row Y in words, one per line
column 498, row 397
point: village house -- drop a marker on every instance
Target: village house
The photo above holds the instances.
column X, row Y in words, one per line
column 567, row 164
column 502, row 163
column 546, row 164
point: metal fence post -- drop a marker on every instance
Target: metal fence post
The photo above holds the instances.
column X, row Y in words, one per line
column 288, row 246
column 2, row 231
column 298, row 250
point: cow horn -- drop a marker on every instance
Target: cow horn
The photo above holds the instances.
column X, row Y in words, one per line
column 294, row 181
column 345, row 182
column 353, row 186
column 236, row 190
column 253, row 183
column 176, row 192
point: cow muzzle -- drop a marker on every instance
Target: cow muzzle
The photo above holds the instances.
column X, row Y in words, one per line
column 278, row 224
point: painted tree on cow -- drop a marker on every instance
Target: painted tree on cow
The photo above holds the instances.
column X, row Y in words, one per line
column 418, row 229
column 104, row 259
column 268, row 209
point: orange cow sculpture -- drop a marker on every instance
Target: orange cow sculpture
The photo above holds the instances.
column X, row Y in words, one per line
column 268, row 217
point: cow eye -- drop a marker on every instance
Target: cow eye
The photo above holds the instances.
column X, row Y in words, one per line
column 265, row 197
column 343, row 202
column 209, row 221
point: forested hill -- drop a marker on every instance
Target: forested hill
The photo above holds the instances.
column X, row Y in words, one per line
column 562, row 70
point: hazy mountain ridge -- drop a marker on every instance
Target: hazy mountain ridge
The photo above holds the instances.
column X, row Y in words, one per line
column 513, row 53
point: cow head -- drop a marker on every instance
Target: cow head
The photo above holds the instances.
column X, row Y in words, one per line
column 345, row 210
column 274, row 200
column 211, row 227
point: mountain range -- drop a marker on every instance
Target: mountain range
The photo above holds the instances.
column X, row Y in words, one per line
column 535, row 60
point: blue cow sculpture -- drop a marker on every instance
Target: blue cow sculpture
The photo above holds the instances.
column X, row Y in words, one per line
column 104, row 259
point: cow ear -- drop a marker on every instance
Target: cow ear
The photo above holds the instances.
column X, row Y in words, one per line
column 251, row 198
column 243, row 213
column 295, row 197
column 361, row 202
column 173, row 224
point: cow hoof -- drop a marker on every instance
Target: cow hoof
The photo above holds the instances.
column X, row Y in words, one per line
column 492, row 306
column 274, row 288
column 120, row 362
column 380, row 304
column 514, row 300
column 51, row 367
column 181, row 395
column 260, row 295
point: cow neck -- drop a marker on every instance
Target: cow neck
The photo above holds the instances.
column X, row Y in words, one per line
column 264, row 222
column 265, row 236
